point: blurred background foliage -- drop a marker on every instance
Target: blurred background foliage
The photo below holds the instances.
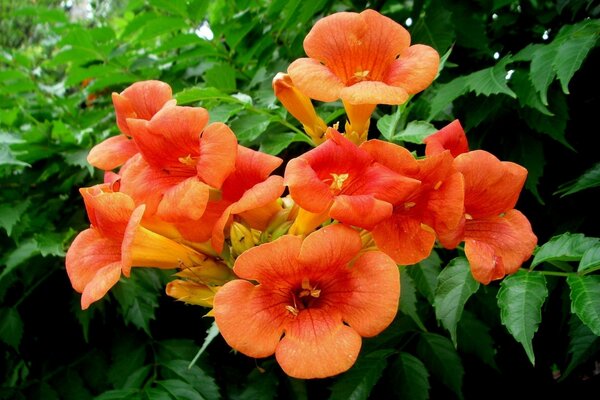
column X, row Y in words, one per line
column 522, row 76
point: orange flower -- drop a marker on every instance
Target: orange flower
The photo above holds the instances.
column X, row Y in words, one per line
column 140, row 101
column 115, row 242
column 321, row 294
column 365, row 59
column 180, row 159
column 498, row 238
column 346, row 181
column 435, row 208
column 451, row 137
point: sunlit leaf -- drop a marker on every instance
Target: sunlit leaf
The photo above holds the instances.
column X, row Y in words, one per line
column 565, row 247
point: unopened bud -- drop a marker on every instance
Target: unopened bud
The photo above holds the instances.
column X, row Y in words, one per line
column 211, row 272
column 192, row 292
column 242, row 238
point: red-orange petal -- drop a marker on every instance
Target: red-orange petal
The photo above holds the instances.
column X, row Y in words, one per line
column 498, row 245
column 250, row 318
column 109, row 212
column 491, row 186
column 112, row 153
column 317, row 345
column 184, row 201
column 315, row 80
column 306, row 188
column 414, row 70
column 364, row 211
column 104, row 279
column 218, row 149
column 369, row 300
column 404, row 239
column 329, row 248
column 141, row 100
column 451, row 137
column 393, row 156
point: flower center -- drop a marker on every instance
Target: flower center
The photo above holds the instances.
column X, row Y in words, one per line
column 304, row 297
column 338, row 181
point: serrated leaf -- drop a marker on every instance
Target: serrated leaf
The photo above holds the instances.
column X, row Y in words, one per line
column 408, row 299
column 526, row 93
column 138, row 298
column 119, row 394
column 249, row 127
column 388, row 124
column 179, row 390
column 221, row 76
column 491, row 80
column 425, row 275
column 520, row 299
column 198, row 379
column 414, row 132
column 260, row 385
column 211, row 334
column 442, row 360
column 565, row 247
column 411, row 379
column 196, row 94
column 571, row 52
column 24, row 251
column 554, row 126
column 474, row 338
column 358, row 381
column 455, row 286
column 435, row 28
column 8, row 157
column 540, row 71
column 11, row 214
column 11, row 327
column 128, row 357
column 585, row 300
column 589, row 179
column 445, row 94
column 157, row 394
column 582, row 344
column 590, row 259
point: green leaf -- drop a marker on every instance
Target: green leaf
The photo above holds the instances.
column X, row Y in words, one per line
column 414, row 132
column 590, row 259
column 455, row 286
column 24, row 251
column 222, row 77
column 565, row 247
column 589, row 179
column 474, row 338
column 161, row 26
column 442, row 360
column 520, row 299
column 8, row 157
column 11, row 327
column 541, row 73
column 411, row 379
column 585, row 300
column 119, row 394
column 249, row 127
column 435, row 28
column 491, row 80
column 11, row 214
column 388, row 124
column 571, row 52
column 157, row 394
column 196, row 94
column 583, row 344
column 260, row 385
column 526, row 93
column 275, row 142
column 408, row 299
column 425, row 274
column 198, row 379
column 180, row 390
column 50, row 244
column 358, row 381
column 445, row 94
column 211, row 333
column 128, row 357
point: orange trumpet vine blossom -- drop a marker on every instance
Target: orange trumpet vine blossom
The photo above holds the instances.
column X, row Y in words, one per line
column 180, row 160
column 365, row 59
column 139, row 101
column 344, row 180
column 313, row 300
column 498, row 238
column 115, row 242
column 409, row 234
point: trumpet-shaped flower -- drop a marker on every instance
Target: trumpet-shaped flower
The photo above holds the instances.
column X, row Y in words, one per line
column 345, row 180
column 498, row 238
column 115, row 242
column 139, row 101
column 180, row 160
column 435, row 208
column 313, row 300
column 365, row 59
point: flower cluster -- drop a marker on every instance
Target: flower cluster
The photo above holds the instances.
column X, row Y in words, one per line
column 307, row 275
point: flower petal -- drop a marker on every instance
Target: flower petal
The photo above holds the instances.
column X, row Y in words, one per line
column 414, row 70
column 395, row 157
column 109, row 212
column 498, row 245
column 369, row 299
column 315, row 80
column 404, row 238
column 317, row 345
column 373, row 92
column 250, row 318
column 363, row 211
column 104, row 279
column 306, row 188
column 451, row 137
column 330, row 248
column 218, row 149
column 141, row 100
column 491, row 186
column 112, row 153
column 184, row 201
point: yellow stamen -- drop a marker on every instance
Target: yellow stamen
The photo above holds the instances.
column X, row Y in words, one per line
column 468, row 216
column 361, row 75
column 409, row 204
column 187, row 160
column 338, row 181
column 427, row 228
column 293, row 310
column 437, row 185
